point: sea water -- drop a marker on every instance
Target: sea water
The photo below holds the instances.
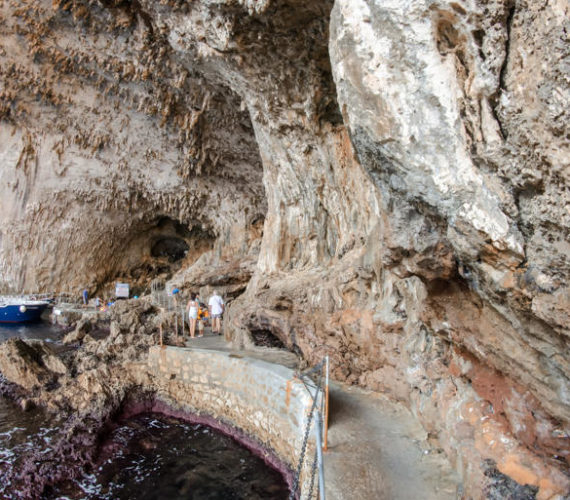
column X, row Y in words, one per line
column 152, row 456
column 40, row 330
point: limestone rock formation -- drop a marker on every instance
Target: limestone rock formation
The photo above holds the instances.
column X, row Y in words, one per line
column 104, row 170
column 82, row 328
column 31, row 365
column 390, row 179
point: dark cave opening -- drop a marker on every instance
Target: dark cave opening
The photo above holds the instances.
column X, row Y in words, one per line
column 170, row 247
column 265, row 338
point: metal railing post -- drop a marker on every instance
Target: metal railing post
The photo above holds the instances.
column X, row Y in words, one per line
column 176, row 326
column 326, row 422
column 318, row 431
column 318, row 413
column 160, row 328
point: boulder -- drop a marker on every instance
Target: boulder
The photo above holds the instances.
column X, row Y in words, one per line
column 83, row 326
column 29, row 364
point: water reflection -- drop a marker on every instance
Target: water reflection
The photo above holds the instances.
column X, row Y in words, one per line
column 147, row 457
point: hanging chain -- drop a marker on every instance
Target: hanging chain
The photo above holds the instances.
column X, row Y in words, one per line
column 313, row 473
column 306, row 436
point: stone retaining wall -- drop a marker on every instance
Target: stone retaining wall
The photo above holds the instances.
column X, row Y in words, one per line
column 261, row 399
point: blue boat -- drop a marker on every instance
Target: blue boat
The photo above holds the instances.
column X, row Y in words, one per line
column 21, row 310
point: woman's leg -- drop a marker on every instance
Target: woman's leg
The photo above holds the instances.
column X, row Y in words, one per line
column 192, row 327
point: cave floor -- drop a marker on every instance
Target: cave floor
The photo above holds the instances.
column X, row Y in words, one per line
column 376, row 449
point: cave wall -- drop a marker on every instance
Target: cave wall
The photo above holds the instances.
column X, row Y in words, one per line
column 410, row 162
column 103, row 134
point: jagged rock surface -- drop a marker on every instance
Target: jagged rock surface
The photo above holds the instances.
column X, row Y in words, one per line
column 116, row 159
column 414, row 201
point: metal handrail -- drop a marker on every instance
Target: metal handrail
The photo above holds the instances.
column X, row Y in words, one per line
column 321, row 427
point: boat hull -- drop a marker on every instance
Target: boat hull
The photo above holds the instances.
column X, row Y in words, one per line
column 21, row 313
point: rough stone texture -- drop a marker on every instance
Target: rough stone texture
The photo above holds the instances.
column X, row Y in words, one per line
column 32, row 364
column 414, row 202
column 83, row 388
column 253, row 396
column 465, row 129
column 110, row 146
column 103, row 377
column 261, row 399
column 83, row 327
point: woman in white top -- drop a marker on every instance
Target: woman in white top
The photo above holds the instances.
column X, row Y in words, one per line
column 192, row 309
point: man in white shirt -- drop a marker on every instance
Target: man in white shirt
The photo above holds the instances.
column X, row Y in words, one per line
column 216, row 307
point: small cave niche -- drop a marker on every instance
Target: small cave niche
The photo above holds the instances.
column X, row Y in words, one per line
column 172, row 226
column 255, row 228
column 266, row 338
column 173, row 244
column 170, row 247
column 448, row 38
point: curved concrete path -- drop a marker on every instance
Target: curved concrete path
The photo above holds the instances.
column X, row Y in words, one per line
column 377, row 450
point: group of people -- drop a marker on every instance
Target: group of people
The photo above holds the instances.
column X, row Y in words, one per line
column 216, row 309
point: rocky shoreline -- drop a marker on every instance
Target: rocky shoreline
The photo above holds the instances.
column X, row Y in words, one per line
column 88, row 389
column 383, row 182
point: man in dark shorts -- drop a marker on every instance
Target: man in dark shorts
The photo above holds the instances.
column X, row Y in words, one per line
column 216, row 306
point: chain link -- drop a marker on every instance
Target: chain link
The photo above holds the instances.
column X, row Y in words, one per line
column 313, row 473
column 297, row 476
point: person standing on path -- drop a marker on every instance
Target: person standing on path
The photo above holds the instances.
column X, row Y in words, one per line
column 85, row 297
column 175, row 292
column 192, row 309
column 216, row 307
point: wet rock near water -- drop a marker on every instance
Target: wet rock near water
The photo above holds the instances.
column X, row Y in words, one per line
column 72, row 448
column 84, row 387
column 10, row 390
column 82, row 328
column 100, row 383
column 31, row 364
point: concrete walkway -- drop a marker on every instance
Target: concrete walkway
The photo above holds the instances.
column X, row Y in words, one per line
column 218, row 343
column 377, row 450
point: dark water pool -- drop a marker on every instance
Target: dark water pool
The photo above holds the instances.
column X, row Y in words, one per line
column 153, row 456
column 20, row 433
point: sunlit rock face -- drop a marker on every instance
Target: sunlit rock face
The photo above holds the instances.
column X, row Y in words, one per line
column 408, row 162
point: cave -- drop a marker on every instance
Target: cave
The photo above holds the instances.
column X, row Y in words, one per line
column 155, row 249
column 170, row 247
column 348, row 175
column 266, row 338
